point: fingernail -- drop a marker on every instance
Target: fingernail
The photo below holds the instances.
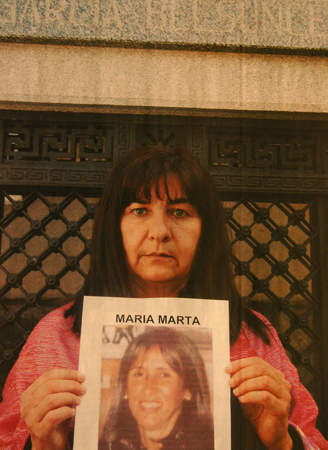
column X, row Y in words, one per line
column 230, row 382
column 83, row 390
column 78, row 400
column 80, row 376
column 228, row 368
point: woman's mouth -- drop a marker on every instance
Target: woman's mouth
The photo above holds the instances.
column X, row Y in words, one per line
column 158, row 255
column 150, row 405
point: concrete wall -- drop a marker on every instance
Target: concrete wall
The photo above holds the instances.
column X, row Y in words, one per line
column 37, row 76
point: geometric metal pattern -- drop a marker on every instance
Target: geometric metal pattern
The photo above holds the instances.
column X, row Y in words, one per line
column 52, row 169
column 63, row 152
column 44, row 247
column 281, row 151
column 38, row 221
column 272, row 260
column 56, row 141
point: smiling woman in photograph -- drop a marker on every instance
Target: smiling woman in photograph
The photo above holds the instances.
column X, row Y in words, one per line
column 162, row 396
column 160, row 231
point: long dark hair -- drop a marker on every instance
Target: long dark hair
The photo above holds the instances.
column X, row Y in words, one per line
column 182, row 355
column 211, row 275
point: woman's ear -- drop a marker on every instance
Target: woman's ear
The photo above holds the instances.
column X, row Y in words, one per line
column 187, row 395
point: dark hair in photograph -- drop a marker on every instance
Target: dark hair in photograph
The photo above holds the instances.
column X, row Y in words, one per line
column 182, row 355
column 132, row 179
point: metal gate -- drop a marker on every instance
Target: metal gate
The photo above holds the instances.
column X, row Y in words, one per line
column 273, row 178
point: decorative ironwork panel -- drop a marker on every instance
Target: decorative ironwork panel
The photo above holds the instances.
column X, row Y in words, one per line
column 192, row 137
column 198, row 140
column 274, row 269
column 44, row 257
column 54, row 151
column 125, row 139
column 56, row 141
column 261, row 182
column 251, row 150
column 158, row 134
column 37, row 228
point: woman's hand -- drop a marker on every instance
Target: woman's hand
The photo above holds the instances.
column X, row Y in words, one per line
column 48, row 406
column 264, row 394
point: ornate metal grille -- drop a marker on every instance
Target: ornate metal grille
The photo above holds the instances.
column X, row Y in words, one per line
column 57, row 141
column 274, row 268
column 291, row 151
column 52, row 170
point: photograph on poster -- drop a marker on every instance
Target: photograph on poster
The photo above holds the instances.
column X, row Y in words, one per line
column 159, row 388
column 151, row 375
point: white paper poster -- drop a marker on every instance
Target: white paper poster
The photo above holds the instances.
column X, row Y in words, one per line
column 113, row 329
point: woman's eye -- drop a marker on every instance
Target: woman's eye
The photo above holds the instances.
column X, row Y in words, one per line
column 179, row 213
column 165, row 375
column 139, row 211
column 137, row 373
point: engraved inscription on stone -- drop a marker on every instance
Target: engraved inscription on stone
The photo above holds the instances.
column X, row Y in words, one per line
column 264, row 23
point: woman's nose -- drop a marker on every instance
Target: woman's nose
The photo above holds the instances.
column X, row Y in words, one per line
column 159, row 227
column 149, row 384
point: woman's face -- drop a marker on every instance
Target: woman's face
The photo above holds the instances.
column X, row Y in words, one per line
column 160, row 238
column 155, row 394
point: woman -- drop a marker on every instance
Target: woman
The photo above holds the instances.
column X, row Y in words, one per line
column 159, row 231
column 162, row 396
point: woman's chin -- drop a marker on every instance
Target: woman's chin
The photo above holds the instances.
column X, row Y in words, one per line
column 161, row 279
column 155, row 430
